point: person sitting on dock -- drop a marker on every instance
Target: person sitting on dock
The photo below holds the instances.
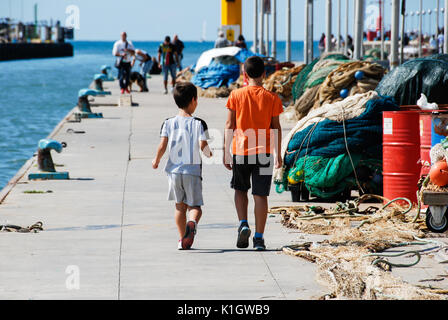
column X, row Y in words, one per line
column 123, row 50
column 252, row 121
column 168, row 60
column 145, row 64
column 185, row 137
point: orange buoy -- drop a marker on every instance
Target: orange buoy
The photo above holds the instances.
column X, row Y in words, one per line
column 439, row 173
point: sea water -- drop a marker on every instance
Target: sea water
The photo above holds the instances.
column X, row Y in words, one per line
column 36, row 94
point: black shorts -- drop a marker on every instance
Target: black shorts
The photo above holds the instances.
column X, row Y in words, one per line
column 259, row 168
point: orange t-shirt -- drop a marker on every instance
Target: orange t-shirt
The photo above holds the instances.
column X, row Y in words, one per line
column 254, row 106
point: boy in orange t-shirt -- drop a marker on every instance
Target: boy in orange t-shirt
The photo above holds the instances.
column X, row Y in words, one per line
column 254, row 126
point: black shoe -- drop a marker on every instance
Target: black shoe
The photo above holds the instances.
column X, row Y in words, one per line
column 190, row 232
column 243, row 236
column 259, row 244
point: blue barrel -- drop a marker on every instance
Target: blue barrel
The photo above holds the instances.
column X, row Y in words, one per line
column 436, row 121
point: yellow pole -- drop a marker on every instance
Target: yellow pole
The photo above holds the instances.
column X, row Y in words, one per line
column 231, row 14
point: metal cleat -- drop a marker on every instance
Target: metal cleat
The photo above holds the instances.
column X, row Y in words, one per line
column 45, row 162
column 105, row 69
column 84, row 104
column 97, row 84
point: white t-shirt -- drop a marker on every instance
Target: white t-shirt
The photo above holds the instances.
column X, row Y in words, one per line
column 119, row 47
column 184, row 136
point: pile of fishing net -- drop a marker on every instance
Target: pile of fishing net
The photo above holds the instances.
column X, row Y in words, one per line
column 351, row 263
column 428, row 76
column 343, row 77
column 337, row 147
column 184, row 76
column 309, row 80
column 281, row 82
column 213, row 92
column 321, row 82
column 374, row 54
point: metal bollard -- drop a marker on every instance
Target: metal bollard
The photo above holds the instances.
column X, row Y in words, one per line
column 105, row 69
column 45, row 161
column 84, row 105
column 97, row 84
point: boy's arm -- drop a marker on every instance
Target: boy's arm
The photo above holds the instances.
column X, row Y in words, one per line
column 275, row 125
column 160, row 151
column 228, row 137
column 205, row 148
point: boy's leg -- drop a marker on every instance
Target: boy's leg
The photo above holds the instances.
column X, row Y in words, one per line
column 241, row 172
column 181, row 218
column 261, row 213
column 195, row 214
column 261, row 181
column 241, row 204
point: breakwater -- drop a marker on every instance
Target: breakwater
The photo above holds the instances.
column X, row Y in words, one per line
column 16, row 51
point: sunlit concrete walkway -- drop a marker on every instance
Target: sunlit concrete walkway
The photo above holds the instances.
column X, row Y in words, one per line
column 111, row 230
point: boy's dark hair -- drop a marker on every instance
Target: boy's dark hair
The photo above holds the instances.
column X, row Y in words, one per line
column 167, row 39
column 254, row 67
column 184, row 93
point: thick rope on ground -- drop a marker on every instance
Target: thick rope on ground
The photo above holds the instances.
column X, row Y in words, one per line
column 347, row 262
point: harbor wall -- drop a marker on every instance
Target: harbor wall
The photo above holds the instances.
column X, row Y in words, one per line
column 16, row 51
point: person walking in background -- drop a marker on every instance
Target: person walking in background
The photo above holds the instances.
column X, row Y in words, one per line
column 221, row 42
column 123, row 50
column 145, row 64
column 179, row 46
column 241, row 42
column 322, row 44
column 168, row 59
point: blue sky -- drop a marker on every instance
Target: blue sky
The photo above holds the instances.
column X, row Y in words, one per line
column 153, row 19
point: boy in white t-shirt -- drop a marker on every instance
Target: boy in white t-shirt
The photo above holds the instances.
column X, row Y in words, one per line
column 185, row 137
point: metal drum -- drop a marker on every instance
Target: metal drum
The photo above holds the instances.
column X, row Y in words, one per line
column 401, row 154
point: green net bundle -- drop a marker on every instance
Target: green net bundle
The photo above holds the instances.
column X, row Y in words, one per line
column 317, row 70
column 407, row 82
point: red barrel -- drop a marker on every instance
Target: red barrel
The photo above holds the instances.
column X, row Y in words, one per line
column 401, row 154
column 425, row 136
column 425, row 142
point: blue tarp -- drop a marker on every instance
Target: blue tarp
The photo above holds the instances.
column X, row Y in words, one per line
column 218, row 75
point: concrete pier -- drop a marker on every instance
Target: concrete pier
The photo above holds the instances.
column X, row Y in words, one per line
column 113, row 224
column 109, row 232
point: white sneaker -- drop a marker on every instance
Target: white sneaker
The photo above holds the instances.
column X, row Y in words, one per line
column 179, row 245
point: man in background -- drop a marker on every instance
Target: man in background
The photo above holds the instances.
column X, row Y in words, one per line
column 221, row 42
column 179, row 46
column 167, row 59
column 145, row 64
column 123, row 51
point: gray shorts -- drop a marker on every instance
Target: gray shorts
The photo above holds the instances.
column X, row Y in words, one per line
column 185, row 188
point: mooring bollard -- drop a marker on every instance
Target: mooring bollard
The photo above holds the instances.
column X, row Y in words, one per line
column 84, row 104
column 105, row 70
column 45, row 161
column 97, row 84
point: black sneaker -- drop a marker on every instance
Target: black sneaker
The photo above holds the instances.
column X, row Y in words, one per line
column 187, row 240
column 259, row 244
column 243, row 236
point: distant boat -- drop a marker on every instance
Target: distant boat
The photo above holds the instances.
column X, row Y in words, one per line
column 204, row 31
